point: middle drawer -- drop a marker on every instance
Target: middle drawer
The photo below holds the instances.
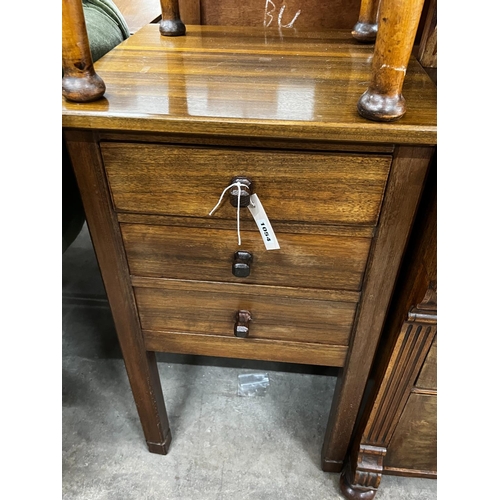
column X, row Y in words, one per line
column 199, row 253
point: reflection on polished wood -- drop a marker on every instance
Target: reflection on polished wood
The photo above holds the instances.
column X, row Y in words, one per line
column 138, row 13
column 182, row 117
column 251, row 82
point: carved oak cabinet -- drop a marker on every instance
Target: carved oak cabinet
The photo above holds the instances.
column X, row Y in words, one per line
column 181, row 118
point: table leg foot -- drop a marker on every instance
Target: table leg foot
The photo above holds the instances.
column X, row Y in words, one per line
column 365, row 32
column 171, row 24
column 160, row 448
column 381, row 108
column 172, row 27
column 366, row 28
column 83, row 88
column 331, row 465
column 353, row 492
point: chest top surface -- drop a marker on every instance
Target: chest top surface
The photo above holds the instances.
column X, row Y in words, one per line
column 255, row 82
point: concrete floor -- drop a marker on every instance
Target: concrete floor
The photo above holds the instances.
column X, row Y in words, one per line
column 224, row 446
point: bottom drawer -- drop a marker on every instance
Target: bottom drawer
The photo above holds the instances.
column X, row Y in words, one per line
column 279, row 316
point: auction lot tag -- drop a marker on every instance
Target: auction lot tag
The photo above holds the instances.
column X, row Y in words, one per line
column 265, row 228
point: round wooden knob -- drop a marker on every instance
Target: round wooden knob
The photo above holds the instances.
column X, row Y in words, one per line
column 246, row 192
column 241, row 327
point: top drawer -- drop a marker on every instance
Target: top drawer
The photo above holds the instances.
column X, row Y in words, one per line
column 310, row 187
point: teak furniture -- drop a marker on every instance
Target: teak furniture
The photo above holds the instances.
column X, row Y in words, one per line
column 382, row 101
column 181, row 118
column 397, row 433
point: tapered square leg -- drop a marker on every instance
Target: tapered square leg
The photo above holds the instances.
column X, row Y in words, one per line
column 104, row 229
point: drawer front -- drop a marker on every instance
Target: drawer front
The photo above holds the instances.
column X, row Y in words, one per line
column 309, row 261
column 293, row 186
column 233, row 347
column 211, row 308
column 428, row 375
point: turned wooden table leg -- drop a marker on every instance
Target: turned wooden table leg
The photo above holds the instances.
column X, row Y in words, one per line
column 80, row 81
column 171, row 24
column 366, row 28
column 398, row 22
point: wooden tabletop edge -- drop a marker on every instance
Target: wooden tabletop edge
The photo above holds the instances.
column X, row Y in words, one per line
column 371, row 132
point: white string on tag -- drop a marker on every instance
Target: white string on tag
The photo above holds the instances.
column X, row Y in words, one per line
column 238, row 185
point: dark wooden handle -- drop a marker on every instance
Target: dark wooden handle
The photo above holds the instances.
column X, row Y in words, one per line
column 241, row 326
column 241, row 264
column 246, row 192
column 171, row 24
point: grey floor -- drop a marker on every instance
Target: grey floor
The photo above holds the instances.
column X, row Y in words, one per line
column 224, row 446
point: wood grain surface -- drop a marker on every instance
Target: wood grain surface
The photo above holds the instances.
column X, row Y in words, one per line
column 414, row 443
column 246, row 142
column 404, row 188
column 286, row 14
column 252, row 82
column 246, row 225
column 210, row 308
column 141, row 365
column 270, row 104
column 190, row 11
column 158, row 179
column 427, row 50
column 409, row 340
column 233, row 347
column 408, row 356
column 428, row 375
column 303, row 260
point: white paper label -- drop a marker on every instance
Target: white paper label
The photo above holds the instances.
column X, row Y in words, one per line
column 265, row 228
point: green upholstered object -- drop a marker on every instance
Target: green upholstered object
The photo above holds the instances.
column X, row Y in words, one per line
column 106, row 28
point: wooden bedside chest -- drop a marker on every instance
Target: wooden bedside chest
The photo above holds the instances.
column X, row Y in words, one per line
column 181, row 118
